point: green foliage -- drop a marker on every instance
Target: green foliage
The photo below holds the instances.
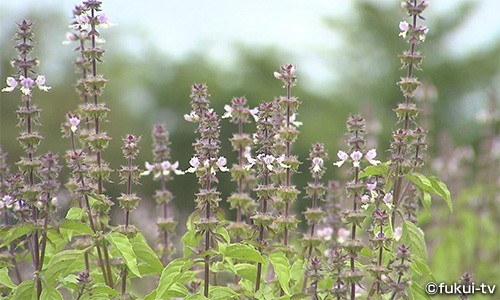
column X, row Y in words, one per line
column 433, row 185
column 124, row 247
column 282, row 268
column 5, row 279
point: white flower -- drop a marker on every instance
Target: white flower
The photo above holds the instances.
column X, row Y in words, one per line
column 370, row 155
column 268, row 161
column 168, row 167
column 255, row 113
column 247, row 154
column 26, row 83
column 277, row 75
column 195, row 163
column 192, row 117
column 228, row 113
column 11, row 84
column 342, row 235
column 149, row 169
column 325, row 233
column 317, row 164
column 343, row 157
column 404, row 27
column 40, row 82
column 70, row 37
column 398, row 232
column 366, row 200
column 293, row 121
column 388, row 200
column 102, row 18
column 280, row 159
column 74, row 121
column 371, row 186
column 82, row 19
column 356, row 156
column 221, row 163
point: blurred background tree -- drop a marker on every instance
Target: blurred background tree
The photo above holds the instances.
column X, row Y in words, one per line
column 147, row 86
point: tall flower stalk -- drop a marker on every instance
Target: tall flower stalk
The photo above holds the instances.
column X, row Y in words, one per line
column 239, row 114
column 356, row 129
column 264, row 139
column 79, row 185
column 129, row 175
column 315, row 191
column 206, row 163
column 96, row 111
column 28, row 114
column 287, row 193
column 408, row 144
column 162, row 169
column 80, row 35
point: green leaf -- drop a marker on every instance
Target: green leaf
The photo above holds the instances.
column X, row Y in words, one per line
column 223, row 232
column 16, row 232
column 380, row 169
column 75, row 213
column 426, row 201
column 418, row 292
column 221, row 293
column 433, row 185
column 424, row 269
column 75, row 228
column 243, row 252
column 25, row 290
column 122, row 244
column 171, row 274
column 50, row 293
column 246, row 271
column 63, row 263
column 282, row 269
column 5, row 279
column 442, row 190
column 414, row 238
column 101, row 288
column 148, row 260
column 297, row 275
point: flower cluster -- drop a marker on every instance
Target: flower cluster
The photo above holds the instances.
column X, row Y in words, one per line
column 408, row 143
column 315, row 190
column 263, row 219
column 287, row 132
column 239, row 113
column 205, row 164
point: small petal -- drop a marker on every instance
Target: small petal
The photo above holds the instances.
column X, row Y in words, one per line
column 194, row 162
column 371, row 186
column 388, row 200
column 221, row 163
column 166, row 165
column 398, row 232
column 342, row 235
column 356, row 155
column 102, row 18
column 403, row 26
column 255, row 114
column 11, row 84
column 228, row 113
column 342, row 155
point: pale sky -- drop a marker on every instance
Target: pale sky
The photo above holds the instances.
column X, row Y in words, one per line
column 178, row 27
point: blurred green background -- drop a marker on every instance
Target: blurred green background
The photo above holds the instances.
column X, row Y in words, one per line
column 347, row 62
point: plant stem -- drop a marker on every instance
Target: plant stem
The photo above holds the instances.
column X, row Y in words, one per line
column 264, row 211
column 399, row 178
column 287, row 156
